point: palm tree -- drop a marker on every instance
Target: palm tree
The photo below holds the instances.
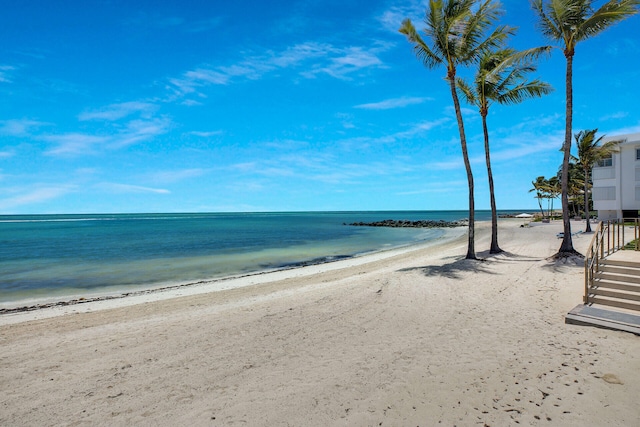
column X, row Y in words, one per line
column 552, row 190
column 457, row 36
column 589, row 153
column 575, row 187
column 501, row 78
column 538, row 187
column 570, row 22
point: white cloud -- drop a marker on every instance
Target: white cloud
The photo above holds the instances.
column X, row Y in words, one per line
column 165, row 177
column 117, row 111
column 128, row 188
column 4, row 73
column 614, row 116
column 206, row 134
column 132, row 132
column 74, row 144
column 392, row 18
column 345, row 62
column 20, row 127
column 140, row 130
column 6, row 154
column 392, row 103
column 437, row 187
column 36, row 195
column 318, row 58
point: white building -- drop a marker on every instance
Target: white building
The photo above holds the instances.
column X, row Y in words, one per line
column 616, row 180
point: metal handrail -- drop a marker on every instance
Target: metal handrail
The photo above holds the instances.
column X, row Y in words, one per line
column 609, row 237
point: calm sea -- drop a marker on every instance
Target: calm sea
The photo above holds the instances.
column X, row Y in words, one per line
column 44, row 256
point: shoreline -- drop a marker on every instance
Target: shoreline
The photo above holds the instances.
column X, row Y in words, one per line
column 46, row 307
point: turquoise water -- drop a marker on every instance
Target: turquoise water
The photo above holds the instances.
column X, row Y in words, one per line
column 47, row 255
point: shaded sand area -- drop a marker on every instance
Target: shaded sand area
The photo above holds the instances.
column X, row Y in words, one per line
column 417, row 337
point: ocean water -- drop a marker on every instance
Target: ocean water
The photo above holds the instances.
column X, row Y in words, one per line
column 44, row 256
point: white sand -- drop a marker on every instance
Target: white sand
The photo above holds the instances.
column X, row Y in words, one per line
column 408, row 338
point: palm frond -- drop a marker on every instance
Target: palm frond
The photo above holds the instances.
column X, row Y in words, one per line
column 467, row 91
column 420, row 48
column 610, row 13
column 524, row 91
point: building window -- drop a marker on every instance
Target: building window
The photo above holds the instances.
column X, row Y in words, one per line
column 608, row 161
column 604, row 193
column 637, row 153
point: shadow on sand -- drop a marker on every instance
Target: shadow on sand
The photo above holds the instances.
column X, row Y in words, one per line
column 458, row 265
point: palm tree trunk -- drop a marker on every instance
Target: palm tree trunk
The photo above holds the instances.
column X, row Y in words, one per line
column 567, row 243
column 494, row 249
column 540, row 204
column 586, row 200
column 451, row 76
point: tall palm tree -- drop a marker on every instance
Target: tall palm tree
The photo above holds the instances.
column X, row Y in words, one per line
column 456, row 30
column 570, row 22
column 501, row 78
column 590, row 151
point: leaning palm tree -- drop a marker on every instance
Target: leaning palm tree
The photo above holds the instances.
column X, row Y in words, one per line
column 456, row 30
column 570, row 22
column 501, row 78
column 589, row 153
column 538, row 187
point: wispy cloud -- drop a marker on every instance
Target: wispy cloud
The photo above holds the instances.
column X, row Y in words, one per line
column 174, row 22
column 614, row 116
column 21, row 127
column 436, row 187
column 206, row 134
column 80, row 144
column 5, row 76
column 392, row 103
column 318, row 58
column 128, row 188
column 118, row 111
column 415, row 130
column 625, row 46
column 6, row 154
column 167, row 177
column 392, row 18
column 344, row 62
column 74, row 144
column 39, row 194
column 140, row 130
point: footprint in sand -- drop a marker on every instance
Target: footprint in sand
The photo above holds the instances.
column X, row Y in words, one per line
column 612, row 379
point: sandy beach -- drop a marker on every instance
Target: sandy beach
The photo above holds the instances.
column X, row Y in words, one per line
column 412, row 337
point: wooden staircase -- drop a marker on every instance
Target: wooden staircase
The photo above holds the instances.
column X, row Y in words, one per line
column 616, row 283
column 612, row 279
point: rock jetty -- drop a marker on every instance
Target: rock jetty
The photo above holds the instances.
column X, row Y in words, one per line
column 403, row 223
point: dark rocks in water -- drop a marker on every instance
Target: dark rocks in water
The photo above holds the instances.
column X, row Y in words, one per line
column 403, row 223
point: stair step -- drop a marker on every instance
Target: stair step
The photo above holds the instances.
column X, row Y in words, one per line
column 617, row 277
column 619, row 270
column 620, row 263
column 612, row 302
column 610, row 284
column 615, row 294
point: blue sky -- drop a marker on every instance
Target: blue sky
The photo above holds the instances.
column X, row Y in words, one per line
column 192, row 106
